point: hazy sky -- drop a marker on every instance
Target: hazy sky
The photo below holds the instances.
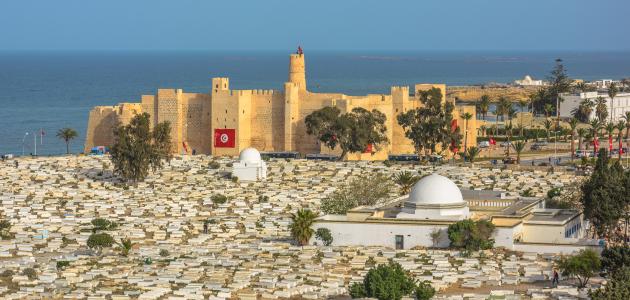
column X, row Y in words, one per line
column 315, row 24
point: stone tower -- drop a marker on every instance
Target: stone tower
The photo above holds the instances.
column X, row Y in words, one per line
column 297, row 73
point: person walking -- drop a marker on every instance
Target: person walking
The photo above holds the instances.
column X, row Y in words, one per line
column 556, row 278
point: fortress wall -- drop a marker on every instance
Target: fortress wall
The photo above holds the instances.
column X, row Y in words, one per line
column 103, row 120
column 267, row 120
column 244, row 120
column 224, row 108
column 169, row 109
column 196, row 113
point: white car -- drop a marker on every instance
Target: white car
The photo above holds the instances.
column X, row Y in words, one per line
column 483, row 144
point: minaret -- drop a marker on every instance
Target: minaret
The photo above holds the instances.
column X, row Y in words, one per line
column 297, row 73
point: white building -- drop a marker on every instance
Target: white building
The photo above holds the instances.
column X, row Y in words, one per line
column 435, row 202
column 528, row 81
column 621, row 104
column 250, row 166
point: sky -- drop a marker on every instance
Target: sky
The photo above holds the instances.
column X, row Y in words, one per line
column 467, row 25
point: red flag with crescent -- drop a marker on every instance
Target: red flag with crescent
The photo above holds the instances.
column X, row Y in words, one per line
column 224, row 138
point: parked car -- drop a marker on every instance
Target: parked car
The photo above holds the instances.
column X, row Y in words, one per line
column 483, row 144
column 583, row 153
column 506, row 144
column 509, row 160
column 538, row 146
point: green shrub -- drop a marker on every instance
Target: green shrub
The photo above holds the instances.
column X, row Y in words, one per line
column 615, row 258
column 618, row 287
column 103, row 224
column 424, row 291
column 30, row 273
column 385, row 282
column 164, row 253
column 219, row 199
column 364, row 190
column 214, row 165
column 471, row 235
column 99, row 241
column 62, row 264
column 324, row 235
column 584, row 265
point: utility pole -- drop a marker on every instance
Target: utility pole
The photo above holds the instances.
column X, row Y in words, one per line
column 35, row 144
column 23, row 139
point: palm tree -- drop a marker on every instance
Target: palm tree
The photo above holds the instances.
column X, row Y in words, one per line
column 508, row 134
column 573, row 125
column 625, row 83
column 581, row 132
column 519, row 146
column 621, row 125
column 406, row 180
column 484, row 105
column 67, row 134
column 600, row 108
column 301, row 224
column 466, row 116
column 595, row 124
column 612, row 93
column 504, row 106
column 125, row 246
column 483, row 130
column 610, row 128
column 626, row 117
column 472, row 153
column 548, row 125
column 548, row 108
column 583, row 111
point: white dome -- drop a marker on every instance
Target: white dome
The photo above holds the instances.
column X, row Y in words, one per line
column 435, row 190
column 250, row 155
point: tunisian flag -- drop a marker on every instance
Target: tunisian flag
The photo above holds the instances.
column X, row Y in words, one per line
column 224, row 138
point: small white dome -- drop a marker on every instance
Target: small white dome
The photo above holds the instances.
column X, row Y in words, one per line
column 250, row 155
column 435, row 190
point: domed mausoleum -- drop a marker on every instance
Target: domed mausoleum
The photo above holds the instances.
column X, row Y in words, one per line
column 435, row 197
column 250, row 166
column 422, row 219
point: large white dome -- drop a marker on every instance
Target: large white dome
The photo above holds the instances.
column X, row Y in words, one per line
column 250, row 155
column 435, row 190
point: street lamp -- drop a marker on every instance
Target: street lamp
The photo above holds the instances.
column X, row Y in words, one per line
column 23, row 139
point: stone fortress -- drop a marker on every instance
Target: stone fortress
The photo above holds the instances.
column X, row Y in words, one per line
column 224, row 121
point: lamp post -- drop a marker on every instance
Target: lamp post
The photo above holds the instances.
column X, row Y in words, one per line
column 23, row 139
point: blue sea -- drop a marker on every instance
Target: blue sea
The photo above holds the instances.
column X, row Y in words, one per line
column 50, row 90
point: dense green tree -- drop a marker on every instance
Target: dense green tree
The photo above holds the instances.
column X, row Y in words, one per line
column 136, row 148
column 405, row 180
column 583, row 265
column 471, row 235
column 353, row 132
column 67, row 135
column 385, row 282
column 431, row 125
column 604, row 195
column 583, row 111
column 615, row 258
column 324, row 235
column 363, row 190
column 301, row 223
column 618, row 287
column 99, row 241
column 100, row 224
column 601, row 109
column 559, row 82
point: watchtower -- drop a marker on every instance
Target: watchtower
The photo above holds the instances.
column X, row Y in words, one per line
column 297, row 72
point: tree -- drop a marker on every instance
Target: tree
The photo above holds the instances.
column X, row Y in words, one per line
column 466, row 116
column 583, row 111
column 424, row 291
column 618, row 287
column 405, row 180
column 99, row 241
column 471, row 235
column 431, row 125
column 519, row 146
column 612, row 93
column 548, row 125
column 67, row 135
column 601, row 111
column 301, row 224
column 385, row 282
column 472, row 153
column 136, row 148
column 581, row 132
column 604, row 195
column 363, row 190
column 584, row 265
column 125, row 246
column 484, row 105
column 573, row 125
column 100, row 224
column 353, row 132
column 324, row 235
column 621, row 125
column 626, row 117
column 610, row 129
column 615, row 258
column 559, row 83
